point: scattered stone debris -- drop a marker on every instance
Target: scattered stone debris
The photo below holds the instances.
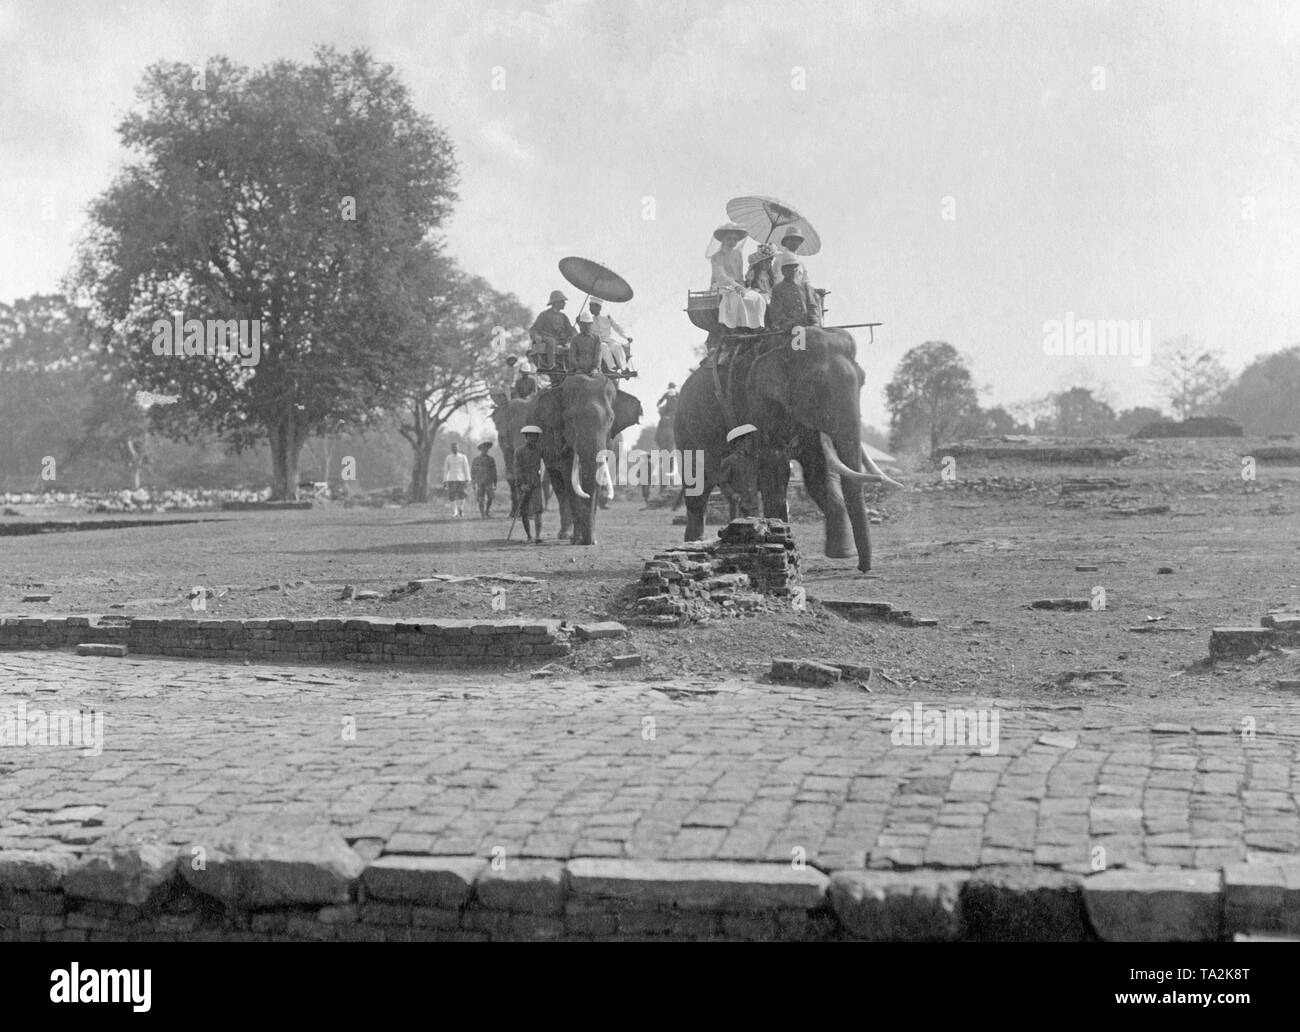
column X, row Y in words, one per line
column 632, row 659
column 1086, row 569
column 1165, row 569
column 1151, row 628
column 1287, row 684
column 37, row 598
column 348, row 592
column 752, row 559
column 1281, row 620
column 365, row 596
column 853, row 609
column 101, row 649
column 1068, row 604
column 11, row 512
column 1145, row 510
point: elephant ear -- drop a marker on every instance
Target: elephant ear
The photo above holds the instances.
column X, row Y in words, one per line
column 627, row 411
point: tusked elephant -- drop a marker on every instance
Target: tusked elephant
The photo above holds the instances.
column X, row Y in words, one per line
column 805, row 404
column 509, row 417
column 579, row 419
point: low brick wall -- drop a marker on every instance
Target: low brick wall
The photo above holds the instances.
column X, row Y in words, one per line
column 752, row 558
column 364, row 640
column 317, row 888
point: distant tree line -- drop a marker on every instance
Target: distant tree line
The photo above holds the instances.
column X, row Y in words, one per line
column 933, row 399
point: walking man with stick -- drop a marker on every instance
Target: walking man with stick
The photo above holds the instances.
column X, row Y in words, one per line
column 528, row 479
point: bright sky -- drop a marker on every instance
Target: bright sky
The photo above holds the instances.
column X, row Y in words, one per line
column 1134, row 160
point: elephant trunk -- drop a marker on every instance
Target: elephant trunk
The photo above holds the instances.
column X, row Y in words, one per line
column 575, row 478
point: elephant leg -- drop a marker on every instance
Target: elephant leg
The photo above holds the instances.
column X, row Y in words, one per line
column 773, row 485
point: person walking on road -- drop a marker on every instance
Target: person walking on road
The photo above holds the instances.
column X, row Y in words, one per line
column 455, row 478
column 483, row 474
column 528, row 480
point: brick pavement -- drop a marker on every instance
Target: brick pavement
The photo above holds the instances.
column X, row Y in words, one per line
column 416, row 763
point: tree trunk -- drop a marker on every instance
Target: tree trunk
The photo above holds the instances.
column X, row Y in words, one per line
column 424, row 431
column 423, row 453
column 286, row 447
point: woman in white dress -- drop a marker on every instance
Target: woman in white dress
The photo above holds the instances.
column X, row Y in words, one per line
column 738, row 306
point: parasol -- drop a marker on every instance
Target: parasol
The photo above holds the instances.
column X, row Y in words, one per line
column 763, row 216
column 595, row 279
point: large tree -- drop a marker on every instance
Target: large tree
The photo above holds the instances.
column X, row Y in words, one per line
column 47, row 367
column 454, row 342
column 931, row 394
column 1078, row 414
column 1266, row 397
column 1191, row 374
column 294, row 195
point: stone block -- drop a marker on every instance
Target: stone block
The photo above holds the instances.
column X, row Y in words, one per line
column 604, row 629
column 121, row 874
column 524, row 887
column 1162, row 905
column 439, row 881
column 706, row 885
column 33, row 870
column 100, row 649
column 1236, row 642
column 899, row 906
column 262, row 867
column 1023, row 904
column 1262, row 897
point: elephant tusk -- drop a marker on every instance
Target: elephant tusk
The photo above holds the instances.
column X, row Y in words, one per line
column 834, row 463
column 574, row 478
column 880, row 473
column 608, row 480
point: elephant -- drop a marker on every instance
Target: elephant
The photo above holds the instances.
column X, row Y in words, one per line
column 805, row 404
column 509, row 417
column 579, row 419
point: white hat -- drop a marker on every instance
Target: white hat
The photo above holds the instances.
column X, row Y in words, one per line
column 741, row 431
column 525, row 366
column 793, row 231
column 585, row 316
column 789, row 260
column 530, row 429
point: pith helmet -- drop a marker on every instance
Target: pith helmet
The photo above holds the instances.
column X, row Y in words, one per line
column 485, row 444
column 585, row 317
column 530, row 429
column 556, row 295
column 741, row 431
column 730, row 227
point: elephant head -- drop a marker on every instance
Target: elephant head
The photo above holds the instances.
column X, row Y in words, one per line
column 806, row 401
column 579, row 419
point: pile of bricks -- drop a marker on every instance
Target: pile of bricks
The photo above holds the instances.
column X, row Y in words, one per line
column 363, row 640
column 751, row 559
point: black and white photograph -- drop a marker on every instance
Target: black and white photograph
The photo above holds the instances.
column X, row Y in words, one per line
column 658, row 471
